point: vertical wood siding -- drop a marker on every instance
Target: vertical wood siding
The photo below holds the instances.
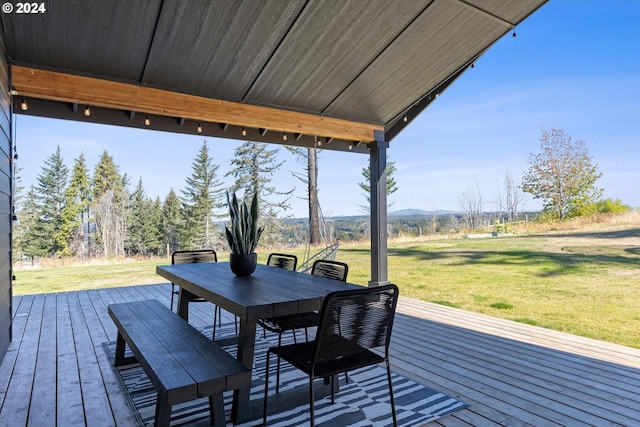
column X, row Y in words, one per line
column 5, row 203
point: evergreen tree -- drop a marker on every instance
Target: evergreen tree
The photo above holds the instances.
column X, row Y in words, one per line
column 255, row 165
column 392, row 185
column 76, row 210
column 137, row 214
column 109, row 206
column 32, row 230
column 202, row 195
column 153, row 238
column 171, row 223
column 52, row 183
column 143, row 225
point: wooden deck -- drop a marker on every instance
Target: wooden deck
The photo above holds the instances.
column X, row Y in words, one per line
column 57, row 373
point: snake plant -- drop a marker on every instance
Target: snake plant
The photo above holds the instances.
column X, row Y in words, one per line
column 243, row 231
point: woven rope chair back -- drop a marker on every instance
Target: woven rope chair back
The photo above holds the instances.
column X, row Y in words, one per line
column 286, row 261
column 354, row 321
column 331, row 269
column 195, row 256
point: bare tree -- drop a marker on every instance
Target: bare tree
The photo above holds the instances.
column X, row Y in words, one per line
column 111, row 224
column 310, row 179
column 432, row 223
column 509, row 202
column 471, row 207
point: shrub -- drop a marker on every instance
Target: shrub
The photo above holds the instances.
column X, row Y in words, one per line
column 612, row 206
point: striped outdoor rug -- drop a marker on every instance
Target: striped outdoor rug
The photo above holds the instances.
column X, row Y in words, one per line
column 364, row 401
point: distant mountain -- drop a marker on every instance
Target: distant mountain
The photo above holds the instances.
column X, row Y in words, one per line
column 419, row 212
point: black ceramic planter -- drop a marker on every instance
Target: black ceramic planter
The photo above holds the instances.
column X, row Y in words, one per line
column 243, row 264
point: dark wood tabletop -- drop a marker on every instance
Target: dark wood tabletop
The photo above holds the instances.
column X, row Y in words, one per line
column 268, row 292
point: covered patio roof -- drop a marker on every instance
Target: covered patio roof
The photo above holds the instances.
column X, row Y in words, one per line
column 334, row 74
column 326, row 71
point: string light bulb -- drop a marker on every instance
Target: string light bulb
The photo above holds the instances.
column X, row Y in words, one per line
column 514, row 33
column 147, row 121
column 244, row 132
column 23, row 105
column 405, row 118
column 351, row 146
column 199, row 128
column 284, row 136
column 319, row 142
column 87, row 111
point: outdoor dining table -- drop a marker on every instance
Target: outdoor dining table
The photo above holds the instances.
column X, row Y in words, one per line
column 268, row 292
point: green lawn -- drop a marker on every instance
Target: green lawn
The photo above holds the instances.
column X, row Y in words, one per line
column 582, row 283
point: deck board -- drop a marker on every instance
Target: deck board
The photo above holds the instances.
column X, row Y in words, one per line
column 511, row 374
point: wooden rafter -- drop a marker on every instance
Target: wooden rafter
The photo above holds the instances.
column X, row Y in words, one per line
column 38, row 83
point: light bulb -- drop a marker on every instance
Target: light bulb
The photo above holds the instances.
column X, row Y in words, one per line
column 244, row 132
column 23, row 105
column 87, row 111
column 284, row 136
column 147, row 122
column 199, row 128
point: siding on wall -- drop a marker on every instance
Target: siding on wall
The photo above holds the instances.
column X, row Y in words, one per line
column 5, row 203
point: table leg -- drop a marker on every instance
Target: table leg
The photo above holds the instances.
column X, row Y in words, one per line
column 246, row 347
column 183, row 303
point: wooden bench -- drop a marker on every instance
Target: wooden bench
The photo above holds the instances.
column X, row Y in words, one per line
column 180, row 361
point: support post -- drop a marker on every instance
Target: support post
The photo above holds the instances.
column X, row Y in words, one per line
column 378, row 209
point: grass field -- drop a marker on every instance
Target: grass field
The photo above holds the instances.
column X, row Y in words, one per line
column 583, row 281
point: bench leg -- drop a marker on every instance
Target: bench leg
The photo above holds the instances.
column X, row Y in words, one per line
column 216, row 410
column 119, row 358
column 163, row 413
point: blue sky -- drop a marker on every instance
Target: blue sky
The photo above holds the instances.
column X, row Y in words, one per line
column 573, row 65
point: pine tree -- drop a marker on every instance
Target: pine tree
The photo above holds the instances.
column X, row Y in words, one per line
column 255, row 165
column 76, row 211
column 171, row 223
column 202, row 195
column 29, row 220
column 52, row 183
column 392, row 185
column 137, row 214
column 153, row 238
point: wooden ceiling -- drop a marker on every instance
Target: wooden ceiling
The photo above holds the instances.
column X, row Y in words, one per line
column 335, row 71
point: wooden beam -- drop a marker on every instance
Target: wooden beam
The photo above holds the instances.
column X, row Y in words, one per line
column 37, row 83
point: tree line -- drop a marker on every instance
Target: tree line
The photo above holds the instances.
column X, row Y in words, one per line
column 78, row 213
column 73, row 212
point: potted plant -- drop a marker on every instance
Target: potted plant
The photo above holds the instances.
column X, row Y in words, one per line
column 243, row 234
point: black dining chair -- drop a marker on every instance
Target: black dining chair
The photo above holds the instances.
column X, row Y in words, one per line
column 191, row 257
column 325, row 268
column 286, row 261
column 352, row 324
